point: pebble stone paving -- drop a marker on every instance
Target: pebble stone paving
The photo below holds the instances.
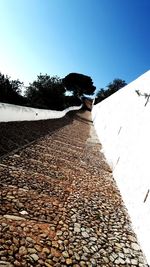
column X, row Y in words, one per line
column 60, row 206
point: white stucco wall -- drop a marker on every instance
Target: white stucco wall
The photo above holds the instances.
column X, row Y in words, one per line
column 10, row 112
column 122, row 122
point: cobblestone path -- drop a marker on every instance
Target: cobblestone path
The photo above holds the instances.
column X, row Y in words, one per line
column 60, row 205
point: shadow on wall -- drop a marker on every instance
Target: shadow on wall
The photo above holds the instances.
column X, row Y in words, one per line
column 14, row 135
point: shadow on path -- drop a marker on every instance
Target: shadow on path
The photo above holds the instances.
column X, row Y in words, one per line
column 14, row 135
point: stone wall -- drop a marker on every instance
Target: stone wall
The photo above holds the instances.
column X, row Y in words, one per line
column 10, row 112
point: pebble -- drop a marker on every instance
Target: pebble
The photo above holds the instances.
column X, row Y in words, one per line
column 86, row 249
column 46, row 251
column 82, row 264
column 55, row 244
column 93, row 261
column 68, row 261
column 131, row 238
column 74, row 218
column 76, row 255
column 23, row 250
column 77, row 227
column 34, row 256
column 106, row 260
column 77, row 230
column 93, row 239
column 29, row 239
column 38, row 248
column 59, row 233
column 48, row 265
column 85, row 234
column 23, row 212
column 5, row 264
column 134, row 262
column 135, row 246
column 114, row 255
column 118, row 245
column 13, row 217
column 32, row 250
column 119, row 261
column 121, row 255
column 55, row 252
column 17, row 263
column 65, row 254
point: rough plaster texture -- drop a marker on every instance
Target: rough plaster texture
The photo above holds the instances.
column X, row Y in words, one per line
column 10, row 112
column 122, row 122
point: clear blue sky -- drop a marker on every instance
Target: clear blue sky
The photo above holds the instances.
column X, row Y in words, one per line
column 105, row 39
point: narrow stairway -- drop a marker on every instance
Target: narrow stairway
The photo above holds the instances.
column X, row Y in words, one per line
column 60, row 205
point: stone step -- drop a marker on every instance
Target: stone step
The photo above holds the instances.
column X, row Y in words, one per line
column 52, row 142
column 70, row 141
column 49, row 185
column 32, row 205
column 65, row 160
column 58, row 148
column 65, row 136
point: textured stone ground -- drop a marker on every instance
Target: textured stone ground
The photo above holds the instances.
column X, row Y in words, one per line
column 59, row 203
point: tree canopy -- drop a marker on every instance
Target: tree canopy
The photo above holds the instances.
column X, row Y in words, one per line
column 109, row 90
column 46, row 92
column 10, row 91
column 51, row 92
column 79, row 84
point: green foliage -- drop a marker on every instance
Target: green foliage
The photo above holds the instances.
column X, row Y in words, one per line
column 10, row 91
column 16, row 86
column 50, row 92
column 110, row 89
column 72, row 101
column 79, row 84
column 46, row 92
column 116, row 85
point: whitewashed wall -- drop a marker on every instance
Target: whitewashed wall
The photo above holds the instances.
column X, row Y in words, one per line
column 10, row 112
column 122, row 122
